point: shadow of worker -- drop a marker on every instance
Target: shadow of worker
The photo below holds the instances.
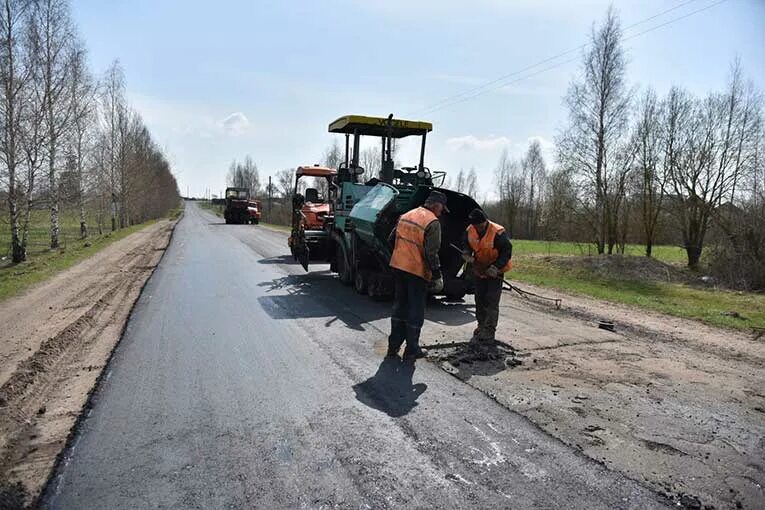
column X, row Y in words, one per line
column 391, row 390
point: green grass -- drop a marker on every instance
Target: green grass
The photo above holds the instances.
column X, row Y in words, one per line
column 42, row 265
column 39, row 230
column 42, row 262
column 215, row 209
column 676, row 299
column 668, row 254
column 283, row 228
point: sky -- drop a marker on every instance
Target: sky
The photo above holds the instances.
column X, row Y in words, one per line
column 215, row 81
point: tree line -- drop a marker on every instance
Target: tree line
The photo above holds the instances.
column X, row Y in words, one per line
column 67, row 137
column 634, row 166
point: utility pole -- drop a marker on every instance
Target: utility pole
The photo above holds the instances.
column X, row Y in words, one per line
column 269, row 200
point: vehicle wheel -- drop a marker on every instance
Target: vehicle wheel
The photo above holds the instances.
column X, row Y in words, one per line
column 256, row 221
column 360, row 281
column 343, row 271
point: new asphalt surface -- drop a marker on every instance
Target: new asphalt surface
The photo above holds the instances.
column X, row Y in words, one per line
column 243, row 382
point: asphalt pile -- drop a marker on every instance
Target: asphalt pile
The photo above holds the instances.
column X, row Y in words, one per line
column 465, row 359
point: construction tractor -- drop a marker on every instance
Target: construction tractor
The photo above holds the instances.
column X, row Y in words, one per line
column 237, row 206
column 363, row 214
column 309, row 210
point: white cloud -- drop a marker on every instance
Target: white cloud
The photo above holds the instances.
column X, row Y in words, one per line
column 471, row 142
column 235, row 124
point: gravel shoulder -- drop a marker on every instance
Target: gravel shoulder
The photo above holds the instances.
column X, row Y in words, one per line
column 672, row 403
column 55, row 340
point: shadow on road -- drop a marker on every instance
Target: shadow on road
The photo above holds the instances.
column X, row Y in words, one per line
column 391, row 390
column 312, row 295
column 279, row 259
column 320, row 294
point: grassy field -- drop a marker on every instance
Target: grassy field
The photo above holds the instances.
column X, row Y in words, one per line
column 678, row 299
column 215, row 209
column 39, row 230
column 42, row 265
column 668, row 254
column 42, row 262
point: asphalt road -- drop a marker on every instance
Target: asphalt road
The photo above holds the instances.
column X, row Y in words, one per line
column 243, row 382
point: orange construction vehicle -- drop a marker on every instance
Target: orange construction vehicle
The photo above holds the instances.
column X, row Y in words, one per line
column 309, row 210
column 253, row 211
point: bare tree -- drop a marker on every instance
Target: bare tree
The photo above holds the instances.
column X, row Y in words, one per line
column 718, row 140
column 244, row 175
column 593, row 143
column 510, row 185
column 53, row 30
column 80, row 143
column 285, row 180
column 371, row 161
column 13, row 78
column 113, row 120
column 333, row 155
column 471, row 183
column 647, row 140
column 33, row 132
column 459, row 181
column 560, row 205
column 534, row 172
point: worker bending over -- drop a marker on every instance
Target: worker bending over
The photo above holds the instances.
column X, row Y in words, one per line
column 487, row 246
column 416, row 269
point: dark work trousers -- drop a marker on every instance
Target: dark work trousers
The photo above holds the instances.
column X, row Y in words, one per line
column 487, row 294
column 408, row 311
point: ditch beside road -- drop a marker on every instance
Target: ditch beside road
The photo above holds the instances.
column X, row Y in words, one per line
column 55, row 340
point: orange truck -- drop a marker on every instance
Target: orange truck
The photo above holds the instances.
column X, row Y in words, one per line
column 309, row 210
column 254, row 211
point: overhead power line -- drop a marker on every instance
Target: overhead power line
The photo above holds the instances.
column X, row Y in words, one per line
column 501, row 81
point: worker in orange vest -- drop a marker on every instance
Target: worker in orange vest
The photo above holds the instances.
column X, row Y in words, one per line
column 416, row 270
column 487, row 246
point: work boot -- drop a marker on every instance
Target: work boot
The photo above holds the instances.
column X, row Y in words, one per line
column 413, row 355
column 392, row 353
column 413, row 350
column 396, row 338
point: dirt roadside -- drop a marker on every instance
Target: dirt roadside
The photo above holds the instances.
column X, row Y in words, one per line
column 54, row 342
column 671, row 403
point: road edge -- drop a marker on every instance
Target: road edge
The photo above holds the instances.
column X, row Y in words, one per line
column 51, row 481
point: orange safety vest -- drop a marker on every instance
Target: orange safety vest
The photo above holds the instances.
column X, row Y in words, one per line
column 409, row 251
column 483, row 248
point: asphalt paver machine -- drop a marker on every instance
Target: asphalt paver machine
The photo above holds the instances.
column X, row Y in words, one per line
column 363, row 214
